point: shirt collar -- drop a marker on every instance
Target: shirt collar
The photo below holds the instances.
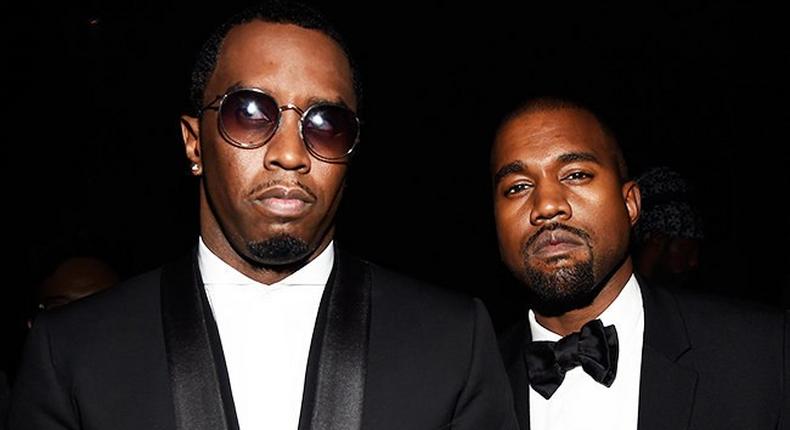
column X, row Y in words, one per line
column 214, row 270
column 624, row 313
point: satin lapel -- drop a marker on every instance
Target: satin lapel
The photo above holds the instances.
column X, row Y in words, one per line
column 198, row 377
column 219, row 358
column 337, row 365
column 666, row 391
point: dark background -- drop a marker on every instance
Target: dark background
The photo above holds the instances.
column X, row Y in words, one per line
column 95, row 165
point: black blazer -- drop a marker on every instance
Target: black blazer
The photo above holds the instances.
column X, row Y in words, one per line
column 387, row 352
column 706, row 364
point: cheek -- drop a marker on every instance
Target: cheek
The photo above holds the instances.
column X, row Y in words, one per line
column 603, row 211
column 611, row 229
column 231, row 172
column 512, row 227
column 328, row 176
column 326, row 181
column 501, row 222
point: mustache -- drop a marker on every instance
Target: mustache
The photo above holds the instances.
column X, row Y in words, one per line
column 555, row 226
column 259, row 188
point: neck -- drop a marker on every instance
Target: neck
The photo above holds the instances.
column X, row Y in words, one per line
column 217, row 242
column 267, row 275
column 572, row 321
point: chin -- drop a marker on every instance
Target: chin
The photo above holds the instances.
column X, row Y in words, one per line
column 279, row 250
column 555, row 290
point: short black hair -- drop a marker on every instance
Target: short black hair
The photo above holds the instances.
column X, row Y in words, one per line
column 273, row 11
column 553, row 103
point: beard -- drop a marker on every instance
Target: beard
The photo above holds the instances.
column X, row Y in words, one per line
column 565, row 289
column 280, row 250
column 555, row 292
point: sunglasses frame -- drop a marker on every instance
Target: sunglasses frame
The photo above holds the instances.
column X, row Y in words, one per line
column 303, row 113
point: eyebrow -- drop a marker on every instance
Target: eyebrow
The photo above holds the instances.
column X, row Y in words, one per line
column 571, row 157
column 337, row 102
column 311, row 101
column 238, row 85
column 508, row 169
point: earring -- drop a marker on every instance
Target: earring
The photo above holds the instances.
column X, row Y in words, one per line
column 195, row 168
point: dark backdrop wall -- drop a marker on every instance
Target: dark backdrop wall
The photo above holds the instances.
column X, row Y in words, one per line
column 94, row 162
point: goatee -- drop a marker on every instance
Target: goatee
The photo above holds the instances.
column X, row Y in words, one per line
column 565, row 289
column 279, row 250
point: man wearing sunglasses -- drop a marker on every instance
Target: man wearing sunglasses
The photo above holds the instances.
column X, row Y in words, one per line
column 267, row 324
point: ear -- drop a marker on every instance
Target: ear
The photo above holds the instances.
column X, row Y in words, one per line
column 190, row 132
column 633, row 200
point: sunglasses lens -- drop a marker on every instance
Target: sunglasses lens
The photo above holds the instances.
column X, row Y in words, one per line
column 330, row 131
column 249, row 118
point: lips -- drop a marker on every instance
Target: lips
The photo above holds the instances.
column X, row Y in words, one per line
column 284, row 202
column 553, row 243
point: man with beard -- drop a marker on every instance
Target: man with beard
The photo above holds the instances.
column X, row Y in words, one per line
column 267, row 324
column 598, row 348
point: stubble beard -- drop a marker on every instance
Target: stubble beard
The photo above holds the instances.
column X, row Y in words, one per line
column 279, row 250
column 565, row 289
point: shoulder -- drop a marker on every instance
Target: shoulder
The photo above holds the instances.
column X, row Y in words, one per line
column 715, row 324
column 405, row 292
column 128, row 313
column 711, row 313
column 405, row 309
column 105, row 352
column 736, row 349
column 127, row 299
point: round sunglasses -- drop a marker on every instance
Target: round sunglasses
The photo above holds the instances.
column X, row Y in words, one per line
column 249, row 118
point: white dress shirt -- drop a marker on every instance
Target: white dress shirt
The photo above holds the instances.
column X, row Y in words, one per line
column 265, row 332
column 581, row 403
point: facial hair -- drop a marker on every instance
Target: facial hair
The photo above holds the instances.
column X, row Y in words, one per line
column 279, row 250
column 564, row 289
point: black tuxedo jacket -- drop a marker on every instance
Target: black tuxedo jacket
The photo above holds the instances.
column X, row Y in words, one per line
column 387, row 352
column 706, row 364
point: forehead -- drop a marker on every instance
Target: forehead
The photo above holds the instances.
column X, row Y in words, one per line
column 541, row 136
column 284, row 59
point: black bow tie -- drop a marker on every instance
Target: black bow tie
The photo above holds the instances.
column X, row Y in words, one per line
column 594, row 348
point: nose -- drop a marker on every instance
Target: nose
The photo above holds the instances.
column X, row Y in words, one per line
column 550, row 204
column 286, row 150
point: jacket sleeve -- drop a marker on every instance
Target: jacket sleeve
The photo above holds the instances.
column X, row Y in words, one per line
column 40, row 399
column 486, row 400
